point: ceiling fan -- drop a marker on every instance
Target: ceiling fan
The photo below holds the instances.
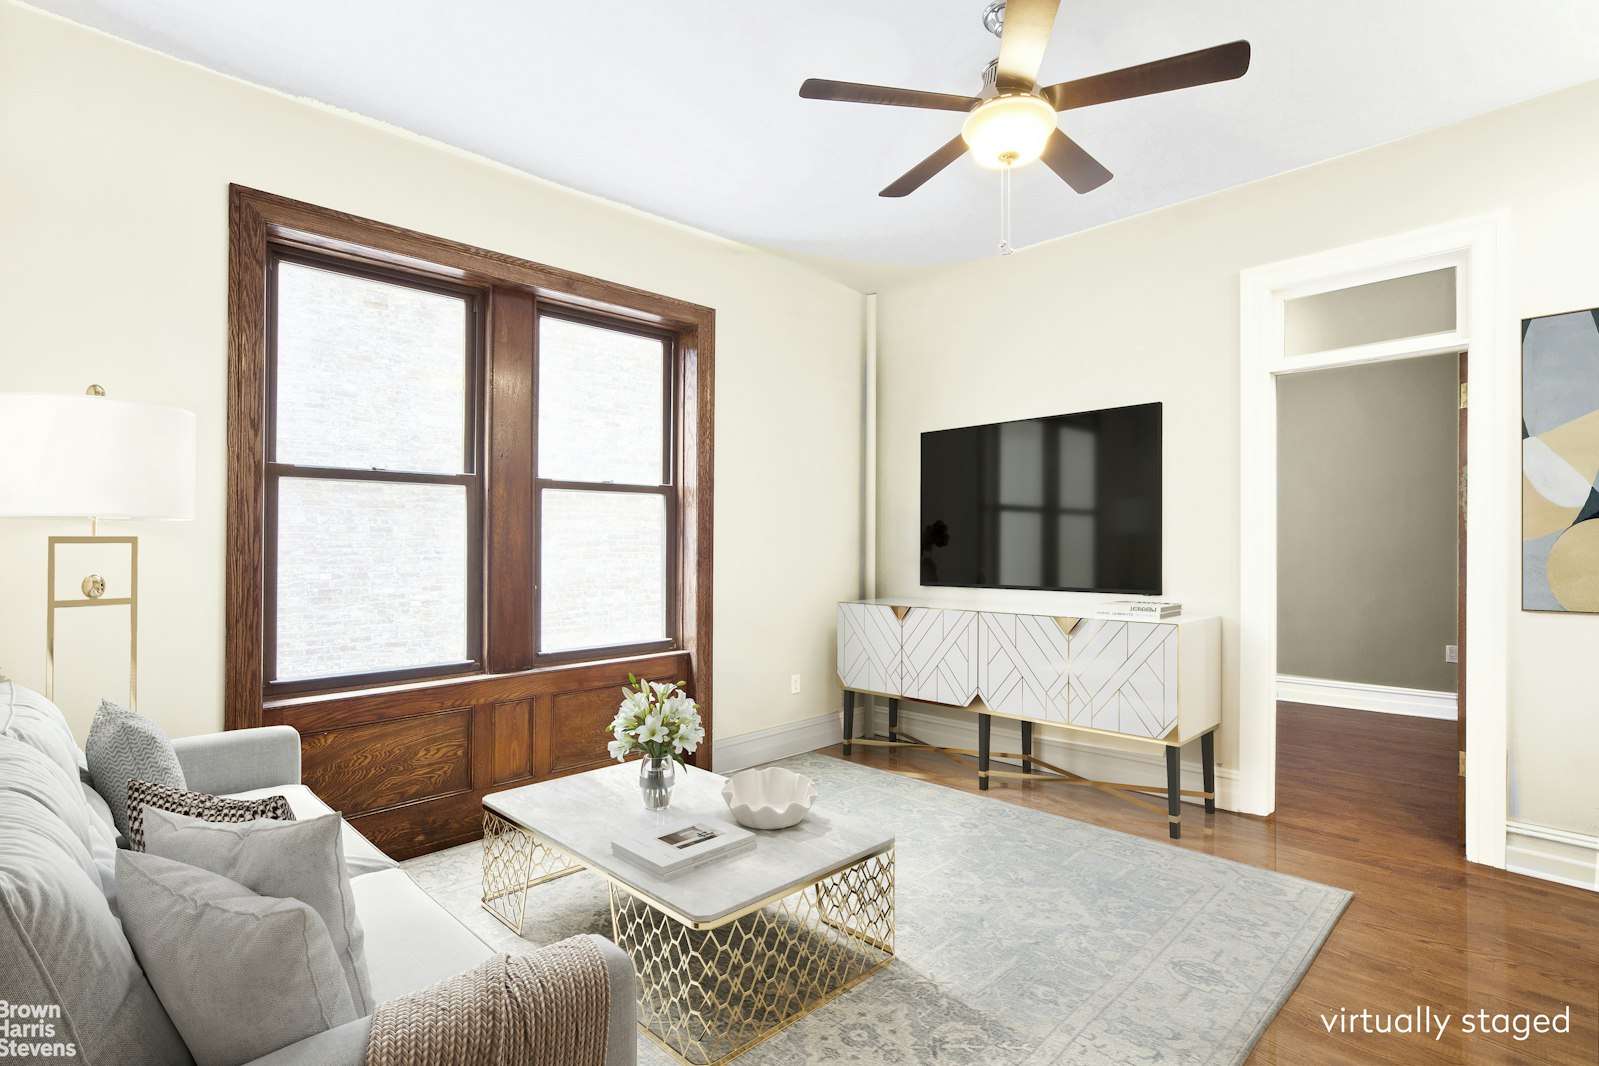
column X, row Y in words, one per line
column 1012, row 121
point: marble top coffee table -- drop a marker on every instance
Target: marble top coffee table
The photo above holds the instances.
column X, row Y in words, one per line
column 727, row 953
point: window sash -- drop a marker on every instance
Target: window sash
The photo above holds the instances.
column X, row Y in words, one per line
column 470, row 479
column 673, row 637
column 670, row 366
column 471, row 421
column 667, row 489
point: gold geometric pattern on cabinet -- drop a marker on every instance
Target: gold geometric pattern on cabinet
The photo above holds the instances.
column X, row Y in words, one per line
column 1124, row 677
column 939, row 656
column 869, row 648
column 1022, row 665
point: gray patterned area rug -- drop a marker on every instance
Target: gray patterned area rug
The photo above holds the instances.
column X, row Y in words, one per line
column 1022, row 937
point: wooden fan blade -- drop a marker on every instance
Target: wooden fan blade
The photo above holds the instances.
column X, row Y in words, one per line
column 857, row 93
column 1022, row 42
column 1076, row 167
column 1221, row 63
column 917, row 176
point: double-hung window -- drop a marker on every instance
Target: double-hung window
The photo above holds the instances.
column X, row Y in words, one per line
column 606, row 501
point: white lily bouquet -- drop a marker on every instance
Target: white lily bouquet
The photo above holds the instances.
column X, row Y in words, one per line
column 657, row 718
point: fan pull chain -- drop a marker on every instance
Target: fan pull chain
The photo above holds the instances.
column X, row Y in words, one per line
column 1004, row 211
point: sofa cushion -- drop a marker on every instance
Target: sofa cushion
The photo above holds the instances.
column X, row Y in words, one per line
column 293, row 860
column 398, row 918
column 142, row 794
column 59, row 939
column 122, row 746
column 32, row 720
column 103, row 840
column 240, row 973
column 31, row 776
column 100, row 821
column 361, row 856
column 344, row 1046
column 35, row 721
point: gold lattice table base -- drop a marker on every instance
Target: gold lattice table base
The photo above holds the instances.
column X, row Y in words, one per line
column 708, row 993
column 514, row 860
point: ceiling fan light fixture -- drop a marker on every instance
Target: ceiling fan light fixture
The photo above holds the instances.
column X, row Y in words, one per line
column 1009, row 131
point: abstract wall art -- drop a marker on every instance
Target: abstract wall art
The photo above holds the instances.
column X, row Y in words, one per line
column 1560, row 462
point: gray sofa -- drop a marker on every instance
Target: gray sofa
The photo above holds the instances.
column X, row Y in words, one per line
column 62, row 942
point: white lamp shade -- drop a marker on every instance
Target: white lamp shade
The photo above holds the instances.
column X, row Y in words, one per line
column 94, row 457
column 1009, row 131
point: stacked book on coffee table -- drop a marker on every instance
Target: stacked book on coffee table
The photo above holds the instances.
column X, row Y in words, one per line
column 679, row 848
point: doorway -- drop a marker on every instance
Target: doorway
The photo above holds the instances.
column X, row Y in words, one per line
column 1484, row 328
column 1369, row 604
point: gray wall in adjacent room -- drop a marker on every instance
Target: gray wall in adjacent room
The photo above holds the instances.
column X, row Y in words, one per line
column 1366, row 523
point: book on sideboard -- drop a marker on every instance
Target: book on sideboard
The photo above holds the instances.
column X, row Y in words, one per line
column 1142, row 610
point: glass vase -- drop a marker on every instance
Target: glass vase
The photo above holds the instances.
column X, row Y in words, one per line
column 655, row 780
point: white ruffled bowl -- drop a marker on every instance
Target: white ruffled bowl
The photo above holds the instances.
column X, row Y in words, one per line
column 773, row 798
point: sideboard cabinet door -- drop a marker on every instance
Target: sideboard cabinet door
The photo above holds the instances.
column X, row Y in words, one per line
column 1124, row 677
column 869, row 648
column 1021, row 665
column 940, row 656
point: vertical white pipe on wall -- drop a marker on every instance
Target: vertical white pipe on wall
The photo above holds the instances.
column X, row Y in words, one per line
column 868, row 704
column 869, row 457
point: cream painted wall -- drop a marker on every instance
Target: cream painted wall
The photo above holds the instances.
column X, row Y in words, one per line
column 113, row 237
column 1367, row 522
column 1147, row 309
column 1410, row 306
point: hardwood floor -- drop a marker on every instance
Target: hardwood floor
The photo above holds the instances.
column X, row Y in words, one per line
column 1367, row 802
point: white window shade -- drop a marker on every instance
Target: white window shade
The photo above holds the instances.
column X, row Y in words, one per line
column 94, row 457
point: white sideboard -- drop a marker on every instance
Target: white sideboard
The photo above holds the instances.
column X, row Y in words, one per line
column 1156, row 682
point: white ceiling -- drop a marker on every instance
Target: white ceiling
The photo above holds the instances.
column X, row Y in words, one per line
column 690, row 109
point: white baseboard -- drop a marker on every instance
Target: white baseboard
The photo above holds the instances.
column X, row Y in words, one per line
column 1416, row 702
column 1100, row 762
column 1552, row 855
column 730, row 754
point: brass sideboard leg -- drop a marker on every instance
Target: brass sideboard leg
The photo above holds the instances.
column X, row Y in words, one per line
column 849, row 718
column 1174, row 787
column 1027, row 746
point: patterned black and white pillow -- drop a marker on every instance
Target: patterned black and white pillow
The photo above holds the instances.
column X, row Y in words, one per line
column 142, row 794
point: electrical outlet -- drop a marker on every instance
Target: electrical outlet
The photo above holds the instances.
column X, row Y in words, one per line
column 793, row 685
column 1451, row 653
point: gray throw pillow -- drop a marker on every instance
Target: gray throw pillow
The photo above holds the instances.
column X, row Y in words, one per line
column 122, row 746
column 142, row 794
column 240, row 974
column 296, row 860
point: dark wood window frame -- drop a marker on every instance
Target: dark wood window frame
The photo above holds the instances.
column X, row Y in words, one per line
column 511, row 672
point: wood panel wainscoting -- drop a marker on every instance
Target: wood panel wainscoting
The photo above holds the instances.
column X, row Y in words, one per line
column 408, row 756
column 409, row 766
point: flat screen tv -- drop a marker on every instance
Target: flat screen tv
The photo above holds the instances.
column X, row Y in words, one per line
column 1068, row 502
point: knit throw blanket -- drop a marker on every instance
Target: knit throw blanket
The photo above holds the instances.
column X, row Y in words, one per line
column 551, row 1008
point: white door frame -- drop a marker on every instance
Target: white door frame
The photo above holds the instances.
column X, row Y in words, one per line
column 1476, row 248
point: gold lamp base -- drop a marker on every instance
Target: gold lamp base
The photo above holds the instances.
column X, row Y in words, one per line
column 94, row 589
